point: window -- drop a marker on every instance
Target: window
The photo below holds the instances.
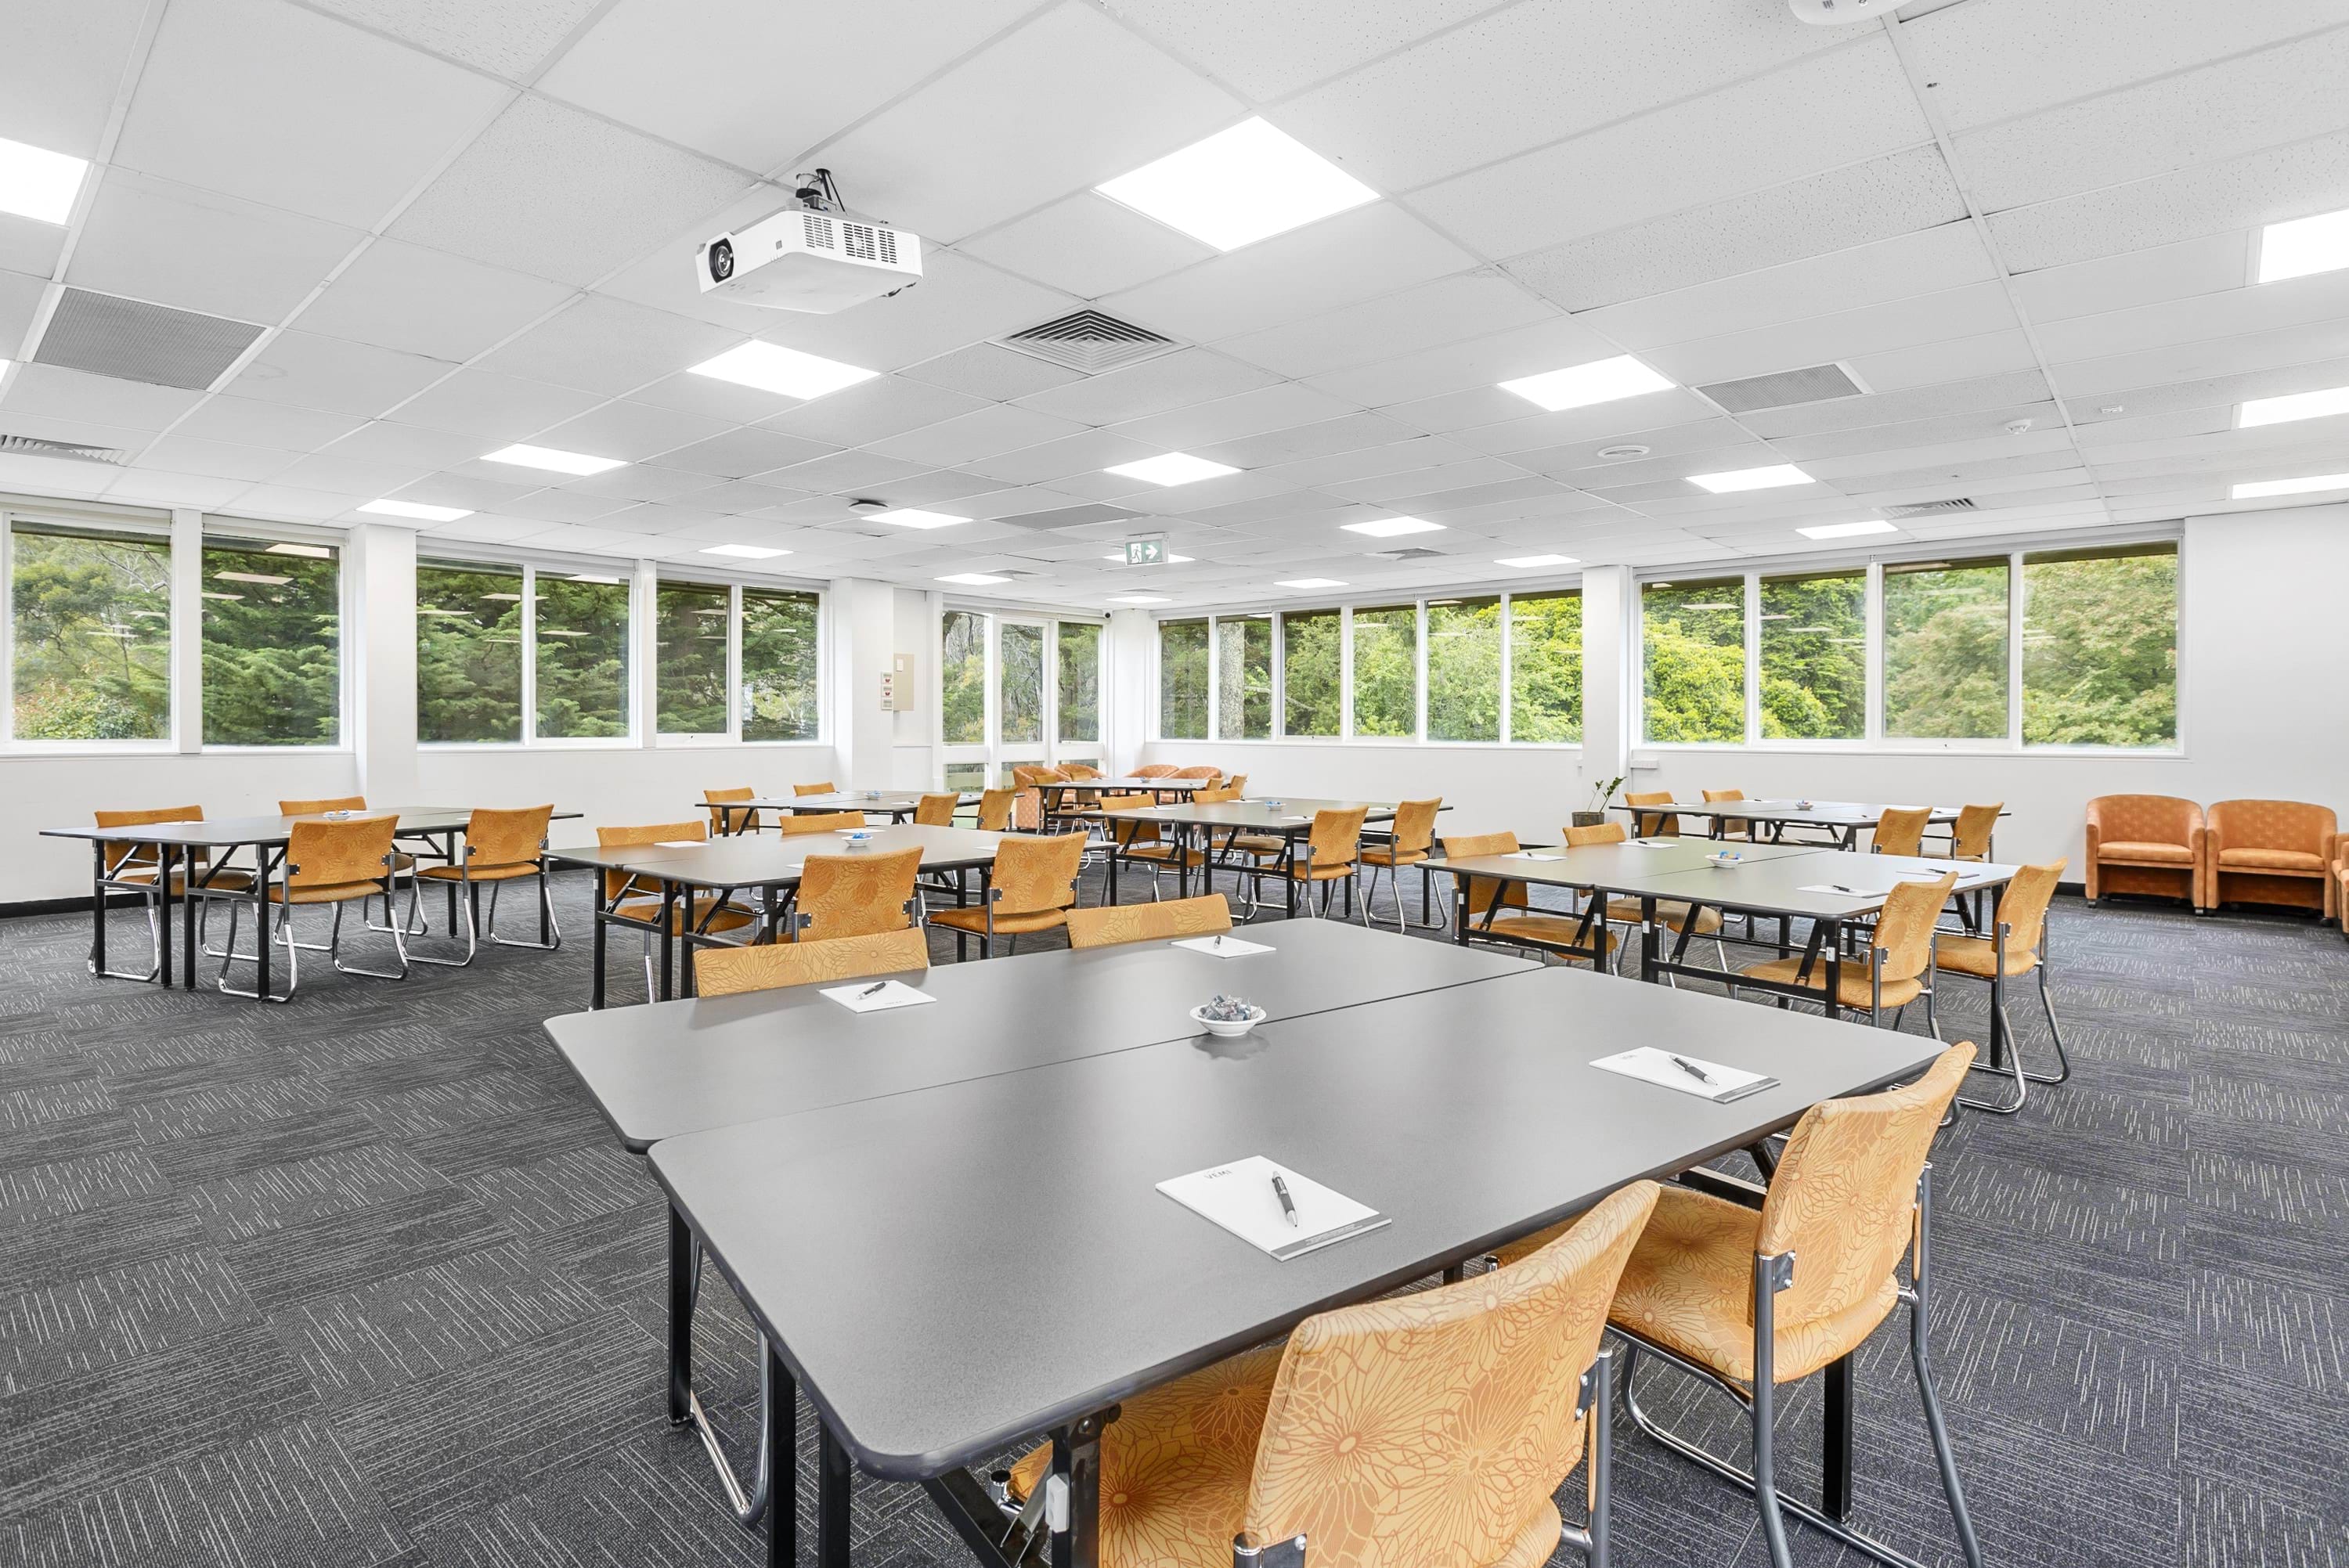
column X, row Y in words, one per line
column 781, row 680
column 1813, row 654
column 91, row 625
column 468, row 653
column 1244, row 677
column 1464, row 669
column 690, row 636
column 1545, row 669
column 1080, row 658
column 272, row 666
column 1182, row 680
column 2100, row 648
column 962, row 675
column 1309, row 672
column 1019, row 684
column 580, row 646
column 1386, row 671
column 1945, row 647
column 1693, row 661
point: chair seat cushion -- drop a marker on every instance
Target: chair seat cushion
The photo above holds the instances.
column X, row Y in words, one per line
column 974, row 919
column 2296, row 861
column 2141, row 853
column 323, row 892
column 1978, row 956
column 1164, row 854
column 1560, row 930
column 1387, row 855
column 1854, row 992
column 218, row 881
column 1690, row 1287
column 1672, row 916
column 481, row 873
column 706, row 914
column 1257, row 844
column 1305, row 872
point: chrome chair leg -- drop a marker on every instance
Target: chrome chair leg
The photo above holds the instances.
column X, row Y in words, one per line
column 228, row 955
column 393, row 927
column 546, row 902
column 465, row 908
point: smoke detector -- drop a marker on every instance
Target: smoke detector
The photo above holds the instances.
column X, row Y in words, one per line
column 2017, row 427
column 1630, row 449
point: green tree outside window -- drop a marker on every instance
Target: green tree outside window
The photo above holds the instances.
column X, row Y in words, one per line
column 1814, row 652
column 1182, row 680
column 582, row 649
column 92, row 616
column 1692, row 665
column 689, row 643
column 1386, row 671
column 1545, row 668
column 467, row 655
column 1309, row 672
column 781, row 689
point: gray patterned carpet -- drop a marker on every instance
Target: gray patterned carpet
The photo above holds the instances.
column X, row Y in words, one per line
column 362, row 1281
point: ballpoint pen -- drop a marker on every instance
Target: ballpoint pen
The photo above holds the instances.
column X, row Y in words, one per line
column 1691, row 1068
column 869, row 990
column 1280, row 1191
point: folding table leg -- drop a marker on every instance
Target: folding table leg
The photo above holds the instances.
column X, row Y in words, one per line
column 681, row 1270
column 1834, row 1474
column 1076, row 1468
column 833, row 1477
column 781, row 1450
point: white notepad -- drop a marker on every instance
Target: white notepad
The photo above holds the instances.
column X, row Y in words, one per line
column 892, row 994
column 1240, row 1198
column 1657, row 843
column 1221, row 946
column 1835, row 890
column 1650, row 1065
column 680, row 843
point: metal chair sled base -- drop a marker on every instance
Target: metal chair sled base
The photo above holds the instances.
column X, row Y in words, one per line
column 1429, row 899
column 2021, row 1077
column 469, row 905
column 332, row 947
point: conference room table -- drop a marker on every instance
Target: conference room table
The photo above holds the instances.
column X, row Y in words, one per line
column 1840, row 820
column 1016, row 1275
column 189, row 846
column 894, row 804
column 1286, row 818
column 711, row 872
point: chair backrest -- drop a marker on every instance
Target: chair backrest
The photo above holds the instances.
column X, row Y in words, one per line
column 1484, row 892
column 857, row 894
column 726, row 971
column 1415, row 823
column 1654, row 824
column 818, row 822
column 1970, row 836
column 995, row 810
column 1215, row 796
column 1411, row 1377
column 119, row 856
column 1114, row 923
column 936, row 811
column 719, row 822
column 1204, row 770
column 1904, row 927
column 1236, row 784
column 1596, row 833
column 1711, row 795
column 1026, row 775
column 2145, row 818
column 1080, row 771
column 1157, row 770
column 1128, row 834
column 822, row 789
column 1900, row 831
column 1034, row 874
column 2272, row 825
column 1337, row 836
column 312, row 808
column 2022, row 907
column 513, row 838
column 1845, row 1189
column 332, row 854
column 616, row 881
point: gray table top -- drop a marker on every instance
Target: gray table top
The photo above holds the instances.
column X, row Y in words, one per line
column 220, row 831
column 683, row 1066
column 844, row 800
column 776, row 859
column 1821, row 813
column 1015, row 1268
column 1767, row 879
column 1258, row 814
column 1610, row 866
column 1124, row 786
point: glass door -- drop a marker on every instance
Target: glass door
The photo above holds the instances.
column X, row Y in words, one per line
column 1015, row 690
column 965, row 704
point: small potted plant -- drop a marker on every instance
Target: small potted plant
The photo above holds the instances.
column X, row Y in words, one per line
column 1600, row 794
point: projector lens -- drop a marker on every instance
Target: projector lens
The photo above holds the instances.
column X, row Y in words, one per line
column 721, row 261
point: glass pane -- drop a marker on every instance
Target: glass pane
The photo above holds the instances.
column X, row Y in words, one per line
column 1545, row 668
column 1945, row 650
column 1464, row 669
column 1386, row 671
column 1244, row 677
column 1815, row 657
column 962, row 677
column 1019, row 682
column 1693, row 660
column 1079, row 716
column 1309, row 672
column 273, row 662
column 468, row 653
column 965, row 776
column 1182, row 680
column 780, row 691
column 689, row 632
column 93, row 636
column 582, row 659
column 2100, row 648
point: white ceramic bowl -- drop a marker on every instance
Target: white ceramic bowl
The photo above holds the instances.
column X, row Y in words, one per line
column 856, row 835
column 1227, row 1028
column 1725, row 860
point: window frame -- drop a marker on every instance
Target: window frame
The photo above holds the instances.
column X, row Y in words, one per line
column 229, row 529
column 175, row 643
column 643, row 611
column 992, row 753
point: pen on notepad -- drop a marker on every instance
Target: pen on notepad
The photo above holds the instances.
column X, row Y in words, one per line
column 1280, row 1191
column 1691, row 1068
column 869, row 990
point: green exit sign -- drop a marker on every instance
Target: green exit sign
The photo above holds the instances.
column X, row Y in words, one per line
column 1151, row 552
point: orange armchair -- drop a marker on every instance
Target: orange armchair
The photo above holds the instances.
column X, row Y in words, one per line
column 2146, row 843
column 2341, row 882
column 2271, row 851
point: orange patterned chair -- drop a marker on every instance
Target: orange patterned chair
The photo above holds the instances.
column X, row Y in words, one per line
column 857, row 894
column 2271, row 851
column 137, row 867
column 729, row 821
column 1516, row 922
column 344, row 862
column 2341, row 882
column 726, row 971
column 1210, row 914
column 1428, row 1429
column 2146, row 843
column 1899, row 959
column 1653, row 824
column 1900, row 831
column 1034, row 885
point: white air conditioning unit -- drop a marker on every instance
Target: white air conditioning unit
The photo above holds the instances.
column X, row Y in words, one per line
column 800, row 259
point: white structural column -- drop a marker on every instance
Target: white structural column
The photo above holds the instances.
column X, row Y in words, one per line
column 380, row 562
column 1125, row 689
column 644, row 652
column 863, row 633
column 1609, row 711
column 188, row 629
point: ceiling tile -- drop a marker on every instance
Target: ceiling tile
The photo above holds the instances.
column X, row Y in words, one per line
column 1086, row 245
column 739, row 453
column 1956, row 359
column 958, row 302
column 327, row 373
column 387, row 441
column 1348, row 433
column 991, row 371
column 608, row 346
column 1208, row 424
column 29, row 246
column 2189, row 267
column 984, row 432
column 1843, row 336
column 66, row 60
column 1170, row 381
column 1891, row 407
column 1479, row 361
column 173, row 244
column 80, row 432
column 217, row 459
column 1443, row 311
column 1270, row 51
column 497, row 409
column 632, row 431
column 1600, row 424
column 2232, row 313
column 64, row 394
column 245, row 422
column 1090, row 451
column 290, row 502
column 872, row 411
column 509, row 39
column 429, row 302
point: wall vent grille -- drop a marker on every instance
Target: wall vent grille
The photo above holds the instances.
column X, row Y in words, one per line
column 1089, row 341
column 35, row 447
column 1929, row 508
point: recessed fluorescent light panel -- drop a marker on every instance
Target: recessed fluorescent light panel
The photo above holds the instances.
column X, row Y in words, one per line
column 1580, row 386
column 744, row 551
column 1239, row 186
column 1751, row 479
column 37, row 183
column 591, row 577
column 1310, row 582
column 1847, row 530
column 1173, row 469
column 974, row 579
column 1171, row 561
column 1140, row 599
column 548, row 457
column 417, row 509
column 2304, row 245
column 311, row 552
column 770, row 367
column 1392, row 527
column 2284, row 410
column 2254, row 490
column 915, row 517
column 1527, row 563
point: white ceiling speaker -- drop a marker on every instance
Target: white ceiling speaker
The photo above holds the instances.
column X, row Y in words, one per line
column 1840, row 13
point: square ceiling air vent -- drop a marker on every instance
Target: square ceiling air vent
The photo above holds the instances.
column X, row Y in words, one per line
column 1089, row 341
column 35, row 447
column 1928, row 508
column 134, row 341
column 1785, row 388
column 1409, row 552
column 1067, row 517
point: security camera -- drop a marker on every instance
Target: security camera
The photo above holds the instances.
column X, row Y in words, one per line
column 1839, row 13
column 2016, row 427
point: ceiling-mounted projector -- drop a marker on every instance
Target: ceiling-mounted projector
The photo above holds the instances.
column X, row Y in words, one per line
column 1840, row 13
column 811, row 256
